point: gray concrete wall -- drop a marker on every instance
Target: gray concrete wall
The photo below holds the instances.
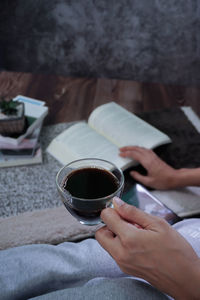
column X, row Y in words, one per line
column 147, row 40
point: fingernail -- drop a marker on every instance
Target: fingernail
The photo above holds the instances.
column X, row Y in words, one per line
column 118, row 202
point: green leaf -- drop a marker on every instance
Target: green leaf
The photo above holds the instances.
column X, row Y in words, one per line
column 9, row 107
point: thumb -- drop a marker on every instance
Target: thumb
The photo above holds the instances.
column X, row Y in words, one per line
column 141, row 178
column 132, row 214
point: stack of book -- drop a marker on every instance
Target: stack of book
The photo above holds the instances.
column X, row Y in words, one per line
column 25, row 149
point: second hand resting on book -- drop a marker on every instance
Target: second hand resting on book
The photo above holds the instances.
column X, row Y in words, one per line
column 159, row 174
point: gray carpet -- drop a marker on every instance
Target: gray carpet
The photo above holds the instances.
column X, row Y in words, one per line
column 30, row 188
column 31, row 210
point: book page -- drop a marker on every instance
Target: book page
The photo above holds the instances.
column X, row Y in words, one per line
column 124, row 128
column 184, row 201
column 80, row 141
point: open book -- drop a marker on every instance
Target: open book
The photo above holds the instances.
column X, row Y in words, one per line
column 109, row 127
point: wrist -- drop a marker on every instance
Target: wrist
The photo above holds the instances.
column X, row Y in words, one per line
column 190, row 288
column 174, row 179
column 186, row 177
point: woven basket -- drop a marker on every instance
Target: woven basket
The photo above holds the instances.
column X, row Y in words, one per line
column 13, row 125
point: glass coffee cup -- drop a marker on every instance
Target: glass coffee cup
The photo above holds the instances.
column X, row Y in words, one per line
column 87, row 186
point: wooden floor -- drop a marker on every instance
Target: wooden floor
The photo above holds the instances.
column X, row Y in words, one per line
column 72, row 99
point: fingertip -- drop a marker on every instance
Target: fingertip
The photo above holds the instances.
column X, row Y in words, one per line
column 121, row 206
column 144, row 179
column 133, row 174
column 117, row 202
column 125, row 148
column 125, row 155
column 136, row 175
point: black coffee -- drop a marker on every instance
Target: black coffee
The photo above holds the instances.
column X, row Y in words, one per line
column 91, row 183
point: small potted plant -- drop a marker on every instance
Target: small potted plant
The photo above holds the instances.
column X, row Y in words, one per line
column 12, row 118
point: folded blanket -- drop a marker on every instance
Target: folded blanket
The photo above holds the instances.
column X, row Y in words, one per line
column 52, row 226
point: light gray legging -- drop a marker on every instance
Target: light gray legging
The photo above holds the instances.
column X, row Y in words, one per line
column 67, row 271
column 76, row 271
